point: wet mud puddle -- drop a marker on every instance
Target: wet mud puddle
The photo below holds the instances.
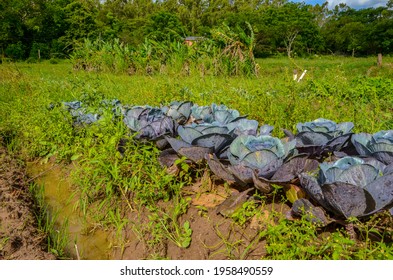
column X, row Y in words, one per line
column 84, row 241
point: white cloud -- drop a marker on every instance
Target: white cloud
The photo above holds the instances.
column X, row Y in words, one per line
column 358, row 4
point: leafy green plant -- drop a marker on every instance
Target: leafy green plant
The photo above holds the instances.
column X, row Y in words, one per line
column 243, row 214
column 165, row 224
column 301, row 241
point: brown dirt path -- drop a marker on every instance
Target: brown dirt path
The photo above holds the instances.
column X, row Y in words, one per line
column 19, row 237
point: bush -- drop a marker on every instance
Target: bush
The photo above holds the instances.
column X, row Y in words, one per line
column 42, row 48
column 57, row 49
column 53, row 61
column 31, row 60
column 15, row 51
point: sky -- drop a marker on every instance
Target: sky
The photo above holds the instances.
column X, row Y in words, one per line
column 356, row 4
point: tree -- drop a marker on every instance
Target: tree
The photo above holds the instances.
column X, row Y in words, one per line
column 288, row 25
column 109, row 26
column 364, row 31
column 352, row 37
column 321, row 13
column 215, row 13
column 80, row 20
column 190, row 13
column 380, row 33
column 28, row 23
column 237, row 48
column 165, row 26
column 11, row 23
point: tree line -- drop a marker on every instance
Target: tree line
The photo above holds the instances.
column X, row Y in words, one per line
column 54, row 28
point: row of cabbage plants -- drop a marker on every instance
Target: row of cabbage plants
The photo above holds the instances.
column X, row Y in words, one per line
column 342, row 174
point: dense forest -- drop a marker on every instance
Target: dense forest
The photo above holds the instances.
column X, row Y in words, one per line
column 56, row 27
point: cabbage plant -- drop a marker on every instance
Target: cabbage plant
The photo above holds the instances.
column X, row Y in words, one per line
column 321, row 136
column 80, row 114
column 73, row 105
column 259, row 152
column 304, row 208
column 214, row 114
column 149, row 123
column 252, row 158
column 210, row 130
column 115, row 106
column 179, row 111
column 197, row 140
column 202, row 114
column 351, row 186
column 378, row 145
column 83, row 114
column 284, row 175
column 222, row 116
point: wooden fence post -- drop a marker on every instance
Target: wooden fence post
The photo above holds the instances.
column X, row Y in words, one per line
column 379, row 61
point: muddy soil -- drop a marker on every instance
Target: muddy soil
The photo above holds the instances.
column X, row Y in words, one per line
column 214, row 236
column 20, row 238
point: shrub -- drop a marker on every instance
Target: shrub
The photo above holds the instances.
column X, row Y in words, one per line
column 15, row 51
column 31, row 60
column 53, row 61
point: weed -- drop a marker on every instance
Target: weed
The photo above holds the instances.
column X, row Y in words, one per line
column 184, row 170
column 302, row 239
column 57, row 239
column 235, row 243
column 3, row 242
column 245, row 212
column 202, row 211
column 166, row 224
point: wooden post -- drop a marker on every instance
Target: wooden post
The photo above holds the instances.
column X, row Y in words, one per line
column 379, row 61
column 39, row 56
column 295, row 74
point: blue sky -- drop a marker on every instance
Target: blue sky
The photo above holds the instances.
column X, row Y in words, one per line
column 356, row 4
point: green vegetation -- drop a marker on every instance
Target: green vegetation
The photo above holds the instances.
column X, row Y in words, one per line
column 303, row 240
column 151, row 57
column 132, row 191
column 43, row 29
column 57, row 237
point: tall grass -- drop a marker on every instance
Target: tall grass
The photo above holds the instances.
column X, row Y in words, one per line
column 152, row 57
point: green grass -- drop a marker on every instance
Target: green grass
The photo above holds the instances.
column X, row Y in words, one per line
column 57, row 237
column 304, row 240
column 111, row 185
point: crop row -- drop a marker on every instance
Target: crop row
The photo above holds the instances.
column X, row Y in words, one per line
column 342, row 173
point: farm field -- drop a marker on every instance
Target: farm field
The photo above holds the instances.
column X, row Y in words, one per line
column 102, row 194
